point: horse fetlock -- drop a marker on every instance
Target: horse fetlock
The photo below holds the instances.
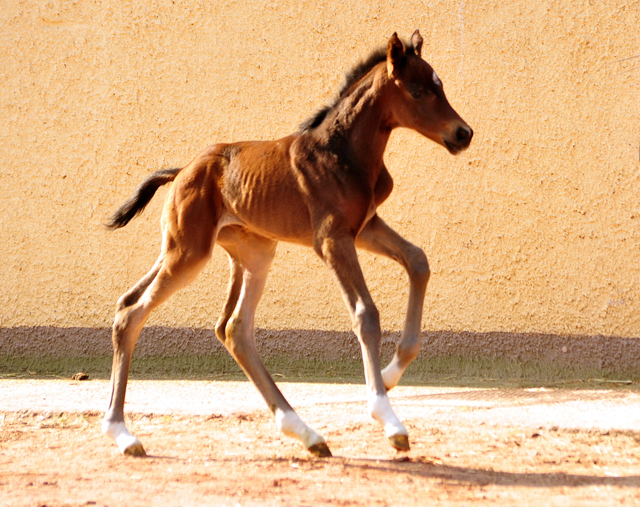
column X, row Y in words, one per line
column 380, row 410
column 406, row 352
column 290, row 424
column 126, row 442
column 392, row 374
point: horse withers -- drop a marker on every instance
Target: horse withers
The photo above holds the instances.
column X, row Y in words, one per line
column 320, row 187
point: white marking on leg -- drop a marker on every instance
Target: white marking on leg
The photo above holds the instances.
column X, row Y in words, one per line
column 291, row 425
column 381, row 411
column 118, row 432
column 392, row 374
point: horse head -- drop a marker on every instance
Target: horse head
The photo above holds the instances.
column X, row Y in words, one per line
column 418, row 98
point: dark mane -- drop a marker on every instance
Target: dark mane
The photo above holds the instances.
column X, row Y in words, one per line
column 351, row 77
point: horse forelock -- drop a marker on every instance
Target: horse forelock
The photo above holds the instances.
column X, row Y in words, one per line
column 351, row 77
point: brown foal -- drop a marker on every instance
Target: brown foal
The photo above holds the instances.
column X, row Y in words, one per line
column 319, row 187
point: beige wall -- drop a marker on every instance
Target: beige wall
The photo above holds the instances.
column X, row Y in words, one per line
column 536, row 228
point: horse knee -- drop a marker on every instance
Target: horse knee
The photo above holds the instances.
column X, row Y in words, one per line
column 366, row 321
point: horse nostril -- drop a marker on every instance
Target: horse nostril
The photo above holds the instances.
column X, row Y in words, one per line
column 463, row 134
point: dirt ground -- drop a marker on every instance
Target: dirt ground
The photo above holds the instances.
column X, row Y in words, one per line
column 480, row 447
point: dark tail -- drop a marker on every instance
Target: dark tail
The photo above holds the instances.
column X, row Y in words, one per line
column 141, row 197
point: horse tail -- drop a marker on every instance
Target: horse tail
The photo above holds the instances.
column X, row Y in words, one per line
column 141, row 197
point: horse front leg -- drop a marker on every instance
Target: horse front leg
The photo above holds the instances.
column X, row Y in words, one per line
column 339, row 253
column 378, row 237
column 251, row 257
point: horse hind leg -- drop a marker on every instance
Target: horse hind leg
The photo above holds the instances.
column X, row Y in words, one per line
column 124, row 339
column 171, row 272
column 251, row 258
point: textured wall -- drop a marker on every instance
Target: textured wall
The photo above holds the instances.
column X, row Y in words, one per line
column 534, row 229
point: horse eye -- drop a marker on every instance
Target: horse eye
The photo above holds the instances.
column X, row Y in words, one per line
column 416, row 95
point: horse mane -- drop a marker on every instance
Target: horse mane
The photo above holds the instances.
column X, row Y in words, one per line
column 351, row 77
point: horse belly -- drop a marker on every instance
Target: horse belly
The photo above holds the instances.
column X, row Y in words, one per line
column 278, row 217
column 262, row 191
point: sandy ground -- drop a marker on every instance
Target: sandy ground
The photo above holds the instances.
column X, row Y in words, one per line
column 214, row 443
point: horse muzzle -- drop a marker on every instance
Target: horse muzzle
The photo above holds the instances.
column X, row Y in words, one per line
column 460, row 140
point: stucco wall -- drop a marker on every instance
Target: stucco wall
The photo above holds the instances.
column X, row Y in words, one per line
column 536, row 228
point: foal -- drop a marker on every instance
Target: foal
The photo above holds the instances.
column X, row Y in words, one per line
column 319, row 187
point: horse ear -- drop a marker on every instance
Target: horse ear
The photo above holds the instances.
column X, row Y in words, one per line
column 395, row 55
column 416, row 40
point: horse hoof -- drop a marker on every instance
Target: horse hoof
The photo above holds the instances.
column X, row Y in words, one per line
column 399, row 442
column 136, row 450
column 320, row 450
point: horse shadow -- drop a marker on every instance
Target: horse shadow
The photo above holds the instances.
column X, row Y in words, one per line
column 428, row 469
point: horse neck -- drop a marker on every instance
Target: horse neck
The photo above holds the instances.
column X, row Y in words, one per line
column 362, row 121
